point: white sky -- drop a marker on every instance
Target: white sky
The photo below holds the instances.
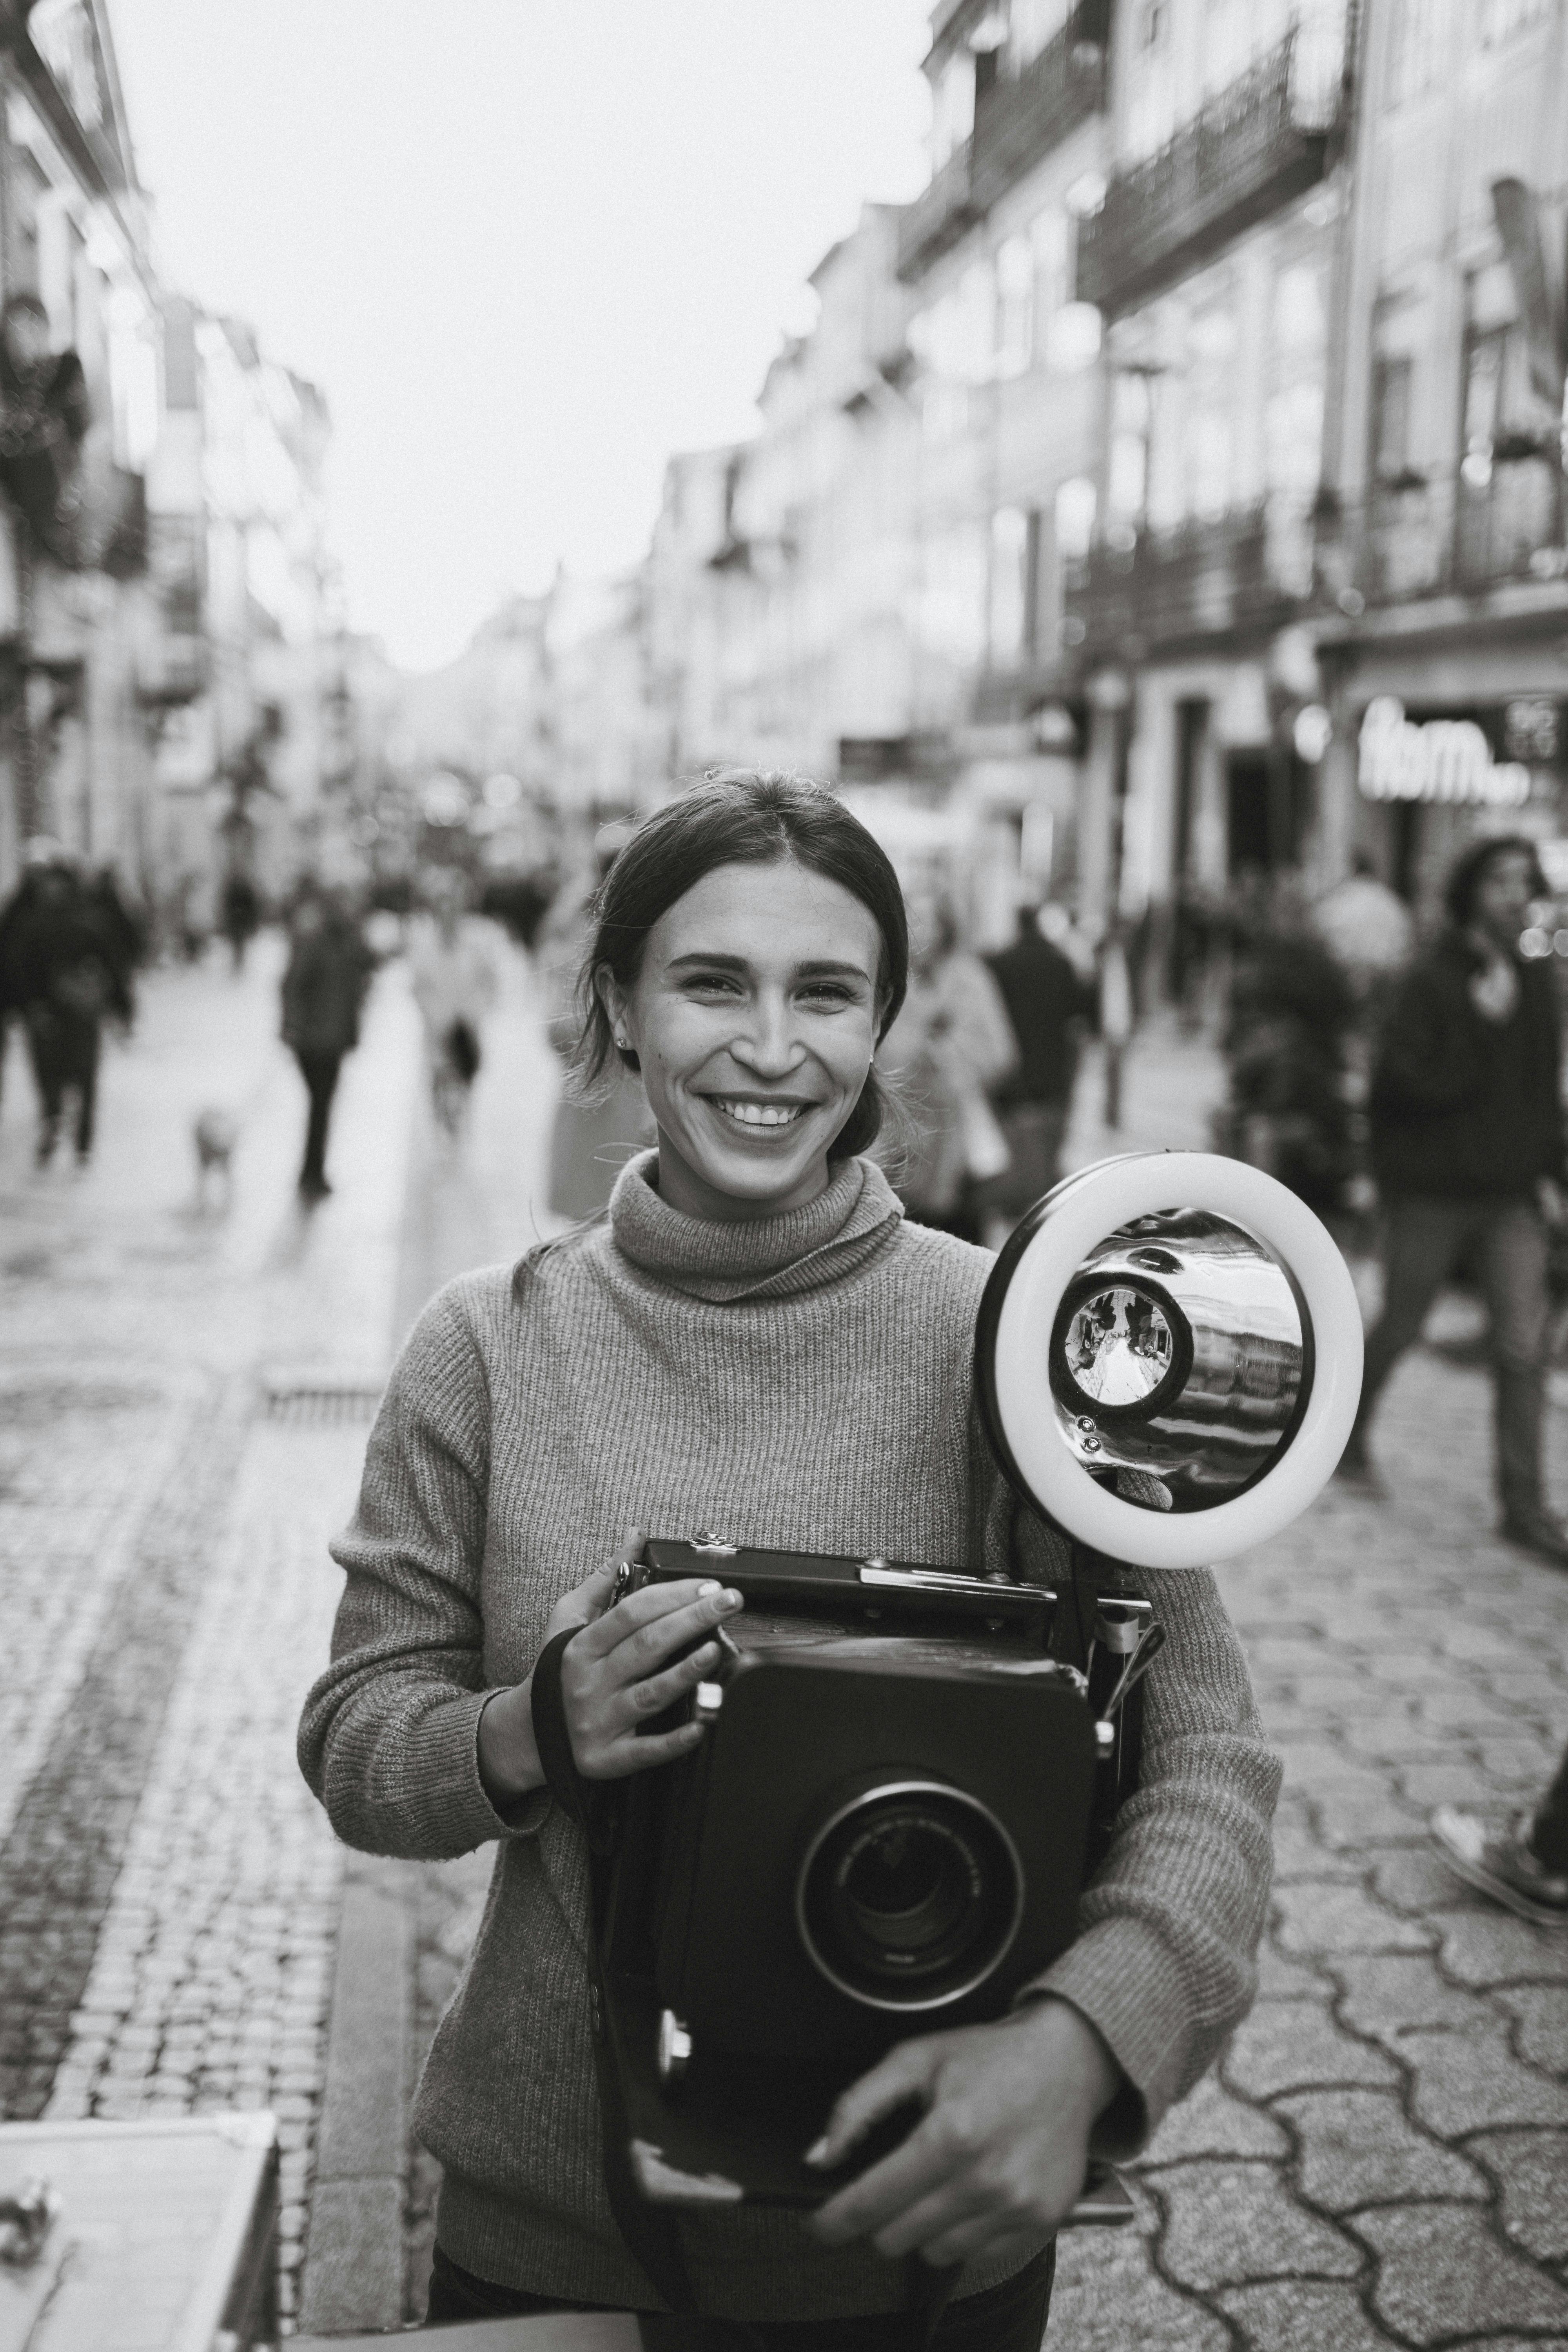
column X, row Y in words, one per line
column 526, row 250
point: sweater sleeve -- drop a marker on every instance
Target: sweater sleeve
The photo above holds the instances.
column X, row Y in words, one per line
column 389, row 1737
column 1164, row 1963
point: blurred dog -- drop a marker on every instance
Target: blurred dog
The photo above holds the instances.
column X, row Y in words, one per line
column 213, row 1134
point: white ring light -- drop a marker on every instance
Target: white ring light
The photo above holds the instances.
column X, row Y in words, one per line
column 1083, row 1212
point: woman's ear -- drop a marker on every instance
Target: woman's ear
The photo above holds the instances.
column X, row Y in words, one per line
column 612, row 996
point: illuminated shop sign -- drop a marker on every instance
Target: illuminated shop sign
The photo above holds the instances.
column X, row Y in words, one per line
column 1444, row 760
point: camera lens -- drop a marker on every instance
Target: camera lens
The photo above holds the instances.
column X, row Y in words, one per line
column 909, row 1896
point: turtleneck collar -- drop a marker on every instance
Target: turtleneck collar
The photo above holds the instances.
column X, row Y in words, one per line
column 846, row 1226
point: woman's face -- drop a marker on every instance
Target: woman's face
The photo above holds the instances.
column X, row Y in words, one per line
column 754, row 1019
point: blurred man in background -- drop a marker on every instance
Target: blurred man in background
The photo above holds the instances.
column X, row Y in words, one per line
column 1467, row 1147
column 1049, row 1007
column 323, row 992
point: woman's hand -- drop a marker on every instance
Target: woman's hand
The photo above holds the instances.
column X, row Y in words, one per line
column 615, row 1674
column 1000, row 2156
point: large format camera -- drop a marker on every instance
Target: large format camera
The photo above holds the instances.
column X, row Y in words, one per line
column 908, row 1767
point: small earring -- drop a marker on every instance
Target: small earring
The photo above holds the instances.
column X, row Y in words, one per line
column 620, row 1044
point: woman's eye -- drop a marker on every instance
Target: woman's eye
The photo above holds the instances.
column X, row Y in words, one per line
column 831, row 991
column 713, row 983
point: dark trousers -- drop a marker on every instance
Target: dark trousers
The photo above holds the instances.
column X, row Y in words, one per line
column 1006, row 2318
column 1549, row 1829
column 320, row 1072
column 1422, row 1241
column 63, row 1048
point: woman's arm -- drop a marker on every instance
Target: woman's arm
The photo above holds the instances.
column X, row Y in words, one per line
column 389, row 1736
column 1164, row 1965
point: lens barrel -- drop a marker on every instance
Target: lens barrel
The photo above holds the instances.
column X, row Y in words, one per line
column 909, row 1895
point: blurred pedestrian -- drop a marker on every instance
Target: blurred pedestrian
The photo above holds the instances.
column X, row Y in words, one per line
column 1467, row 1146
column 453, row 968
column 1527, row 1867
column 950, row 1046
column 323, row 993
column 1287, row 1110
column 60, row 977
column 239, row 916
column 1048, row 1008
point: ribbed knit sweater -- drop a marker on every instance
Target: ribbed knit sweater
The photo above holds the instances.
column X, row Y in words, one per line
column 801, row 1382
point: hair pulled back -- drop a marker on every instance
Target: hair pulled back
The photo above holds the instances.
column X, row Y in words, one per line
column 740, row 816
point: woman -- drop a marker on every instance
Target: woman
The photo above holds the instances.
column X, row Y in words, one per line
column 753, row 1337
column 950, row 1044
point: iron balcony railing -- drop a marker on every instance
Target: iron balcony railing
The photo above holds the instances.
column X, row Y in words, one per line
column 1260, row 142
column 1020, row 119
column 939, row 216
column 1452, row 532
column 1204, row 577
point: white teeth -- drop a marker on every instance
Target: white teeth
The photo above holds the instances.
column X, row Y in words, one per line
column 747, row 1114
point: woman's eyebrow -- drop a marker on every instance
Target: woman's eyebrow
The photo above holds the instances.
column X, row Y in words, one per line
column 818, row 969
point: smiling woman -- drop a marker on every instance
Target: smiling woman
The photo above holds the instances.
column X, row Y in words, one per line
column 753, row 1338
column 750, row 952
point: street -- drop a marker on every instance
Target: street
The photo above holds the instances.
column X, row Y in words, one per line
column 1380, row 2158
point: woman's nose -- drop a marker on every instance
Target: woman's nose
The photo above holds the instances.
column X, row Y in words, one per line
column 769, row 1045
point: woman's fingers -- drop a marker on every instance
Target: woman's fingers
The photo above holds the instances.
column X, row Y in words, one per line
column 650, row 1697
column 923, row 2168
column 645, row 1611
column 906, row 2072
column 628, row 1755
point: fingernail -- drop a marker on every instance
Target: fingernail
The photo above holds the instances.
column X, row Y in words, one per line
column 731, row 1601
column 817, row 2152
column 704, row 1589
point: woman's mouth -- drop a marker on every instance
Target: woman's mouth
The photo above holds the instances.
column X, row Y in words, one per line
column 758, row 1118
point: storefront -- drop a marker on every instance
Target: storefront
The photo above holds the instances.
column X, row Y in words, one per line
column 1432, row 775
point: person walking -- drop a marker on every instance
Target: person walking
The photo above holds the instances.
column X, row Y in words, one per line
column 323, row 992
column 1049, row 1007
column 1468, row 1149
column 952, row 1042
column 239, row 916
column 455, row 982
column 62, row 976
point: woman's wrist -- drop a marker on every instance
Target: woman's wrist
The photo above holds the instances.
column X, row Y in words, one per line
column 510, row 1769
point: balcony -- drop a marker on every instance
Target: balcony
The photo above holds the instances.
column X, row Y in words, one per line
column 1496, row 520
column 1232, row 574
column 1019, row 120
column 939, row 216
column 1253, row 149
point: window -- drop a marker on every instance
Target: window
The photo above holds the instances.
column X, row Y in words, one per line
column 1152, row 83
column 1011, row 542
column 1501, row 19
column 1076, row 502
column 1015, row 306
column 1415, row 61
column 953, row 116
column 1390, row 385
column 1032, row 24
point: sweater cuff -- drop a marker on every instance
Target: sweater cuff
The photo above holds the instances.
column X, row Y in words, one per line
column 1121, row 1976
column 456, row 1769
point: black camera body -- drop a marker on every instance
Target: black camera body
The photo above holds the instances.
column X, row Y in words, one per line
column 883, row 1832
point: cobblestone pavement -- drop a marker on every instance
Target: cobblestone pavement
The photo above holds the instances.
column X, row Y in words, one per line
column 1379, row 2159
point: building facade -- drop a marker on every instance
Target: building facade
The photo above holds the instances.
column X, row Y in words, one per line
column 1215, row 262
column 1444, row 655
column 171, row 694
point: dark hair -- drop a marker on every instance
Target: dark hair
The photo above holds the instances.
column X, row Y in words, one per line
column 740, row 816
column 1468, row 872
